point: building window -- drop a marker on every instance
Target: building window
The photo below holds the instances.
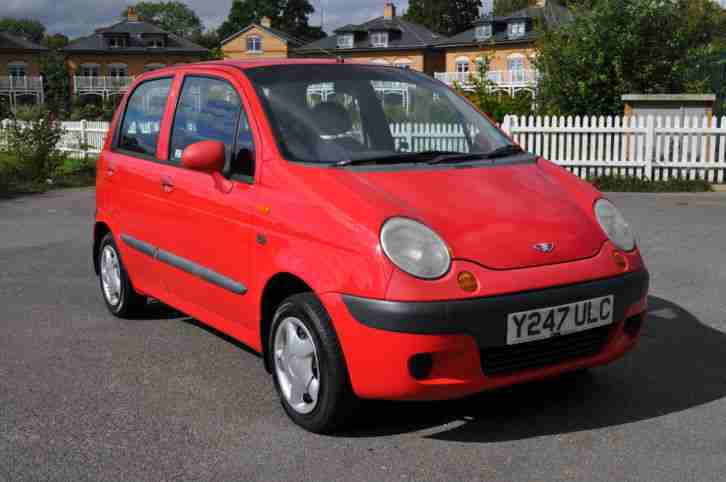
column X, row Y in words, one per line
column 345, row 41
column 118, row 70
column 116, row 42
column 157, row 43
column 462, row 65
column 90, row 70
column 254, row 44
column 379, row 39
column 17, row 69
column 516, row 30
column 515, row 66
column 483, row 32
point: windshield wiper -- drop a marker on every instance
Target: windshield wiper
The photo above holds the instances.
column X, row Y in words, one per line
column 503, row 151
column 399, row 158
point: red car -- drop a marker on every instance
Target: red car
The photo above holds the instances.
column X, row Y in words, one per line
column 364, row 228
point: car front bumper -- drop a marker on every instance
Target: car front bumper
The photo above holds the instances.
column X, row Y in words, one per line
column 465, row 340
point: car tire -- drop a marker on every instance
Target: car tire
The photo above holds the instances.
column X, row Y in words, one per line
column 119, row 295
column 302, row 345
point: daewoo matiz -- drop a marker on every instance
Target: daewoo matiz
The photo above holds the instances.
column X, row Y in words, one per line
column 363, row 227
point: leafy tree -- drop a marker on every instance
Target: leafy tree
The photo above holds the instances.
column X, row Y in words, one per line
column 30, row 29
column 245, row 12
column 32, row 140
column 446, row 17
column 294, row 18
column 173, row 16
column 505, row 7
column 625, row 46
column 56, row 82
column 56, row 41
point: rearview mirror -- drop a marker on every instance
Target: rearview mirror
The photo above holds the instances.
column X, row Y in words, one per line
column 204, row 156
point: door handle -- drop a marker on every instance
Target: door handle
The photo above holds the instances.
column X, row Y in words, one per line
column 167, row 184
column 110, row 169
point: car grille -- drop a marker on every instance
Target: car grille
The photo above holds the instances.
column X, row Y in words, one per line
column 534, row 354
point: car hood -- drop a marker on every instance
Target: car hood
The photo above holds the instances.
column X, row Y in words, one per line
column 501, row 217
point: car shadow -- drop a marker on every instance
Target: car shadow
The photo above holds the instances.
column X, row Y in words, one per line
column 678, row 364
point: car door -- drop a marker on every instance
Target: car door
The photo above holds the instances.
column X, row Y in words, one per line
column 132, row 166
column 210, row 232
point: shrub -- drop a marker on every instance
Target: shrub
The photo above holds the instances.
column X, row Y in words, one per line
column 634, row 184
column 32, row 140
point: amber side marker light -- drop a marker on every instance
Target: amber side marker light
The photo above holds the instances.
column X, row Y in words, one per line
column 467, row 281
column 620, row 260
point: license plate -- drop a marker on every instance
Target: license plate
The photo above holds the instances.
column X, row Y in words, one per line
column 559, row 320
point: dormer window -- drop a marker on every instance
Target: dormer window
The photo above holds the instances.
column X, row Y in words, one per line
column 379, row 39
column 483, row 32
column 345, row 41
column 116, row 42
column 254, row 44
column 156, row 43
column 516, row 30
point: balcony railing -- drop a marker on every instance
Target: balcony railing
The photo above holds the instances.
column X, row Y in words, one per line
column 21, row 84
column 502, row 78
column 92, row 84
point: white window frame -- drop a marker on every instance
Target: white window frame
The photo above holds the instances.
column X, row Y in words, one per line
column 116, row 42
column 14, row 67
column 379, row 39
column 89, row 67
column 345, row 41
column 254, row 41
column 516, row 29
column 483, row 32
column 118, row 68
column 517, row 60
column 157, row 43
column 462, row 65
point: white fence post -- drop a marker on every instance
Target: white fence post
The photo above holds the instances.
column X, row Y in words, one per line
column 84, row 138
column 506, row 124
column 649, row 146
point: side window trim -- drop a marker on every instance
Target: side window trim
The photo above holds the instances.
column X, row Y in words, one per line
column 119, row 125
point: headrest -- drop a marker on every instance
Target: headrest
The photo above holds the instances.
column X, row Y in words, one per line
column 332, row 118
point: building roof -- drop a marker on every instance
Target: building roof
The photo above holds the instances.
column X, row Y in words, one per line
column 14, row 42
column 289, row 39
column 411, row 36
column 134, row 31
column 552, row 14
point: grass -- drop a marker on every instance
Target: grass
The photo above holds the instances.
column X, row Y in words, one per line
column 634, row 184
column 72, row 172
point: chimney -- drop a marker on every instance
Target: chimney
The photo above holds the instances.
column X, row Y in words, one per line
column 266, row 22
column 131, row 15
column 540, row 3
column 389, row 10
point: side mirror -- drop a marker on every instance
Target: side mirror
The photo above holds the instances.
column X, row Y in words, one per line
column 204, row 156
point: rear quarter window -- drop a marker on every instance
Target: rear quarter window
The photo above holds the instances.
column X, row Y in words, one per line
column 141, row 123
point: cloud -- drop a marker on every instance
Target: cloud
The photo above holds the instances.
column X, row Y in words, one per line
column 76, row 18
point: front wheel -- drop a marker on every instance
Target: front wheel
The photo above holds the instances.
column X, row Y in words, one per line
column 309, row 370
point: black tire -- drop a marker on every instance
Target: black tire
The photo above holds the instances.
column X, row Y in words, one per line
column 129, row 302
column 336, row 401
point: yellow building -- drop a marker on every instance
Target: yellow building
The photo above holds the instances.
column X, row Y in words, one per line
column 387, row 40
column 507, row 42
column 20, row 71
column 106, row 62
column 258, row 41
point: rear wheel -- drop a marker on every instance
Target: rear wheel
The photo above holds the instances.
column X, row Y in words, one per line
column 120, row 297
column 308, row 366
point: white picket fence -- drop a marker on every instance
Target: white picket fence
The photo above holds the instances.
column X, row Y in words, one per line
column 80, row 138
column 652, row 147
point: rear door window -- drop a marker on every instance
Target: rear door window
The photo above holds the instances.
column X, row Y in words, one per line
column 142, row 120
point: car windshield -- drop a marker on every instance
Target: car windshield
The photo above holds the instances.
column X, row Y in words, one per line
column 350, row 113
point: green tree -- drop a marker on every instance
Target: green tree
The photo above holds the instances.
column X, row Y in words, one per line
column 505, row 7
column 173, row 16
column 28, row 28
column 294, row 18
column 245, row 12
column 624, row 46
column 56, row 41
column 56, row 83
column 446, row 17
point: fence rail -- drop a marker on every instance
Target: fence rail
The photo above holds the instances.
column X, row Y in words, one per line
column 653, row 147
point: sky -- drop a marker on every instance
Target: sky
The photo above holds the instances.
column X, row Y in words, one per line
column 80, row 17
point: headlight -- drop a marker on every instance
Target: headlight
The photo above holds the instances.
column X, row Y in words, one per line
column 614, row 224
column 415, row 248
